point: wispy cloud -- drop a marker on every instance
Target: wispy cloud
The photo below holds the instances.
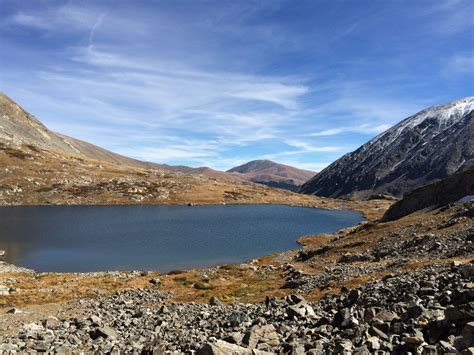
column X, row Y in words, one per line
column 31, row 21
column 66, row 17
column 307, row 147
column 364, row 129
column 168, row 154
column 184, row 98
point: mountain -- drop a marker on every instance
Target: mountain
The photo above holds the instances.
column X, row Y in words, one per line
column 432, row 144
column 272, row 174
column 18, row 127
column 39, row 166
column 440, row 193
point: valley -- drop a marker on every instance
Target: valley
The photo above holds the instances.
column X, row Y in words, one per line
column 204, row 177
column 339, row 293
column 356, row 271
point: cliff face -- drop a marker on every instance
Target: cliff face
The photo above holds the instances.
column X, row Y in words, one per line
column 432, row 144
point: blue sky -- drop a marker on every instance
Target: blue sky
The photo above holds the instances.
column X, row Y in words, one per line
column 219, row 83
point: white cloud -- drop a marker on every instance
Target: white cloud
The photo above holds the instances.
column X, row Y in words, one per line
column 278, row 93
column 180, row 97
column 166, row 155
column 195, row 84
column 450, row 16
column 364, row 129
column 67, row 17
column 303, row 148
column 308, row 147
column 30, row 21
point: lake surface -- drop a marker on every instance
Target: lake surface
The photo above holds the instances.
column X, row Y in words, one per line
column 163, row 238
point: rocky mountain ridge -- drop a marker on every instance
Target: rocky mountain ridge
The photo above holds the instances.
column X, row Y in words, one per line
column 432, row 144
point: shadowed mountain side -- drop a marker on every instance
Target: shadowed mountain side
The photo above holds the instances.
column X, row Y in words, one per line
column 432, row 144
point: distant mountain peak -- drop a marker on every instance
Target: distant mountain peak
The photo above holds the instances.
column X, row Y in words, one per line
column 273, row 174
column 431, row 144
column 254, row 165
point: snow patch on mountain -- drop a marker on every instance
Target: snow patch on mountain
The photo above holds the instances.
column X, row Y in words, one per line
column 434, row 143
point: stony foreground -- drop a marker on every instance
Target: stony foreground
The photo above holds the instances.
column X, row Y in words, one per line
column 429, row 311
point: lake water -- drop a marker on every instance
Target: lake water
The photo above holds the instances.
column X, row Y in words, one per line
column 163, row 238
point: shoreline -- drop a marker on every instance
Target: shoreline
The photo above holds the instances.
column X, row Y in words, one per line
column 367, row 208
column 6, row 266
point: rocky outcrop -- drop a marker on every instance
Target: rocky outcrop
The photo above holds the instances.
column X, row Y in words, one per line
column 432, row 144
column 434, row 195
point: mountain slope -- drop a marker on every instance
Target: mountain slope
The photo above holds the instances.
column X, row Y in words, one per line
column 272, row 174
column 38, row 166
column 205, row 171
column 432, row 144
column 434, row 195
column 18, row 127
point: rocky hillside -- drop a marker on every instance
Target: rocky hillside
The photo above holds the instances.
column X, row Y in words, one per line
column 434, row 195
column 432, row 144
column 381, row 287
column 19, row 127
column 272, row 174
column 38, row 166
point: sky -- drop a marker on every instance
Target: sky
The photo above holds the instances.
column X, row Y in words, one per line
column 219, row 83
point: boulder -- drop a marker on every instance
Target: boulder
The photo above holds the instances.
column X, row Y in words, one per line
column 373, row 343
column 302, row 309
column 468, row 334
column 95, row 320
column 414, row 340
column 32, row 330
column 413, row 311
column 156, row 282
column 104, row 332
column 463, row 312
column 4, row 290
column 385, row 316
column 353, row 257
column 261, row 334
column 467, row 270
column 214, row 301
column 220, row 347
